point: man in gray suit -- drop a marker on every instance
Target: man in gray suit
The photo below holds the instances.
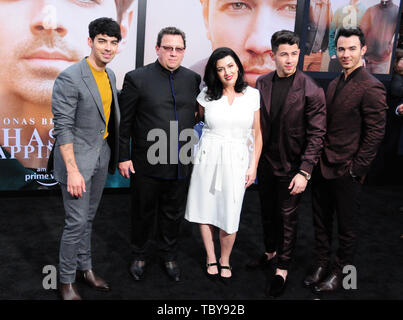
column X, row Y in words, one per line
column 86, row 122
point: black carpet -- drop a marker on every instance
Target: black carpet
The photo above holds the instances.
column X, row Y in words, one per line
column 31, row 226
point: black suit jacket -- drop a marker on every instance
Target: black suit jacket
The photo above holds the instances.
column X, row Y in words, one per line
column 153, row 98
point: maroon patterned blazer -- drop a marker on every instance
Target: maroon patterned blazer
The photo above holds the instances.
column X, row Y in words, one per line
column 302, row 122
column 355, row 125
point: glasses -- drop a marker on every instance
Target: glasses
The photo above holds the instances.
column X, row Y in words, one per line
column 171, row 49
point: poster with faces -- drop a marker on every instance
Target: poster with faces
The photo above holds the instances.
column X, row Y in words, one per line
column 244, row 26
column 378, row 21
column 41, row 39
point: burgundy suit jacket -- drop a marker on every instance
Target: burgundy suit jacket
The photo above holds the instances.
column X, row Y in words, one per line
column 355, row 125
column 302, row 122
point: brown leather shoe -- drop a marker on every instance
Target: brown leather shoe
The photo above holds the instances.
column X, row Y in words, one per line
column 331, row 283
column 316, row 276
column 69, row 291
column 89, row 277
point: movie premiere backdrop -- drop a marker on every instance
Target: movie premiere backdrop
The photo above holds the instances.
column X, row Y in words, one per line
column 43, row 39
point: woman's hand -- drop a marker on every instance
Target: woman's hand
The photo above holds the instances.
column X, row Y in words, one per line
column 250, row 176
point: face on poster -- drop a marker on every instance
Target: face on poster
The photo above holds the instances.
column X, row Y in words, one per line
column 377, row 19
column 39, row 40
column 244, row 26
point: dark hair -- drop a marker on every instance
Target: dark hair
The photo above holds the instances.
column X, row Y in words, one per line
column 121, row 7
column 351, row 32
column 106, row 26
column 173, row 31
column 211, row 79
column 283, row 37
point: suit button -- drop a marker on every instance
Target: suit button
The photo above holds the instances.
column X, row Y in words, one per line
column 102, row 131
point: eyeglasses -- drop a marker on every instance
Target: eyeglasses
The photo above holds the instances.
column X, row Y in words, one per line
column 170, row 49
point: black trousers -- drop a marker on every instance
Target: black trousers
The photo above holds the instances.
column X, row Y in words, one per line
column 279, row 214
column 338, row 197
column 158, row 205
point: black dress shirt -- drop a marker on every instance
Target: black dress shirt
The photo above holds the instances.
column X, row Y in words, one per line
column 155, row 98
column 281, row 86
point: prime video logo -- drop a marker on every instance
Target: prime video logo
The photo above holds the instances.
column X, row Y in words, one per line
column 40, row 177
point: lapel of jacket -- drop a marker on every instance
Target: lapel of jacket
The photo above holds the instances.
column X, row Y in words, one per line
column 92, row 86
column 331, row 90
column 348, row 90
column 293, row 93
column 266, row 92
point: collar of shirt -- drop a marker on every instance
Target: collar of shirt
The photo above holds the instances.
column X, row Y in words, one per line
column 351, row 75
column 166, row 71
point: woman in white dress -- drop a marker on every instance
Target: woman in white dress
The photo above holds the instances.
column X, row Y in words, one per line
column 227, row 158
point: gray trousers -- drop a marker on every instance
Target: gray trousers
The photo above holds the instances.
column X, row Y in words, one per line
column 75, row 245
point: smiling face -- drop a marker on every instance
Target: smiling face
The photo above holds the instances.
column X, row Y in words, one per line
column 350, row 52
column 286, row 59
column 246, row 27
column 103, row 49
column 43, row 38
column 171, row 51
column 227, row 71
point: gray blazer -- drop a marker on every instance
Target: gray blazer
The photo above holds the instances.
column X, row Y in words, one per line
column 79, row 119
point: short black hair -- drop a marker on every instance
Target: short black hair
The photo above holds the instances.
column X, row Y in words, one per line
column 283, row 37
column 106, row 26
column 211, row 79
column 348, row 32
column 173, row 31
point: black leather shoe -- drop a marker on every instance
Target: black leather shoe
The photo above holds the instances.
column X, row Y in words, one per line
column 277, row 286
column 173, row 270
column 91, row 279
column 225, row 280
column 137, row 269
column 316, row 276
column 260, row 262
column 331, row 283
column 212, row 276
column 68, row 291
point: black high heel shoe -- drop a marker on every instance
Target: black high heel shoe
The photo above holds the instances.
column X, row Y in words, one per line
column 212, row 276
column 225, row 280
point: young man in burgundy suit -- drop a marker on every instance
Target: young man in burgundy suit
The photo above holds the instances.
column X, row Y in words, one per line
column 356, row 111
column 293, row 118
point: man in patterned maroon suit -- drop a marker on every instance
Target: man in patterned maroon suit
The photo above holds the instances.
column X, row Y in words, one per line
column 293, row 120
column 356, row 111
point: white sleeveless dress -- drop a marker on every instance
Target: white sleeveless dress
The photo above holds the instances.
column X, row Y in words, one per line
column 217, row 185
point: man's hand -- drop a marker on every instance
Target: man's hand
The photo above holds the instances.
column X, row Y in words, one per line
column 250, row 177
column 75, row 184
column 125, row 167
column 298, row 184
column 400, row 109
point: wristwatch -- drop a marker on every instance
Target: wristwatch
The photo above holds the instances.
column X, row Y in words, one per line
column 307, row 176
